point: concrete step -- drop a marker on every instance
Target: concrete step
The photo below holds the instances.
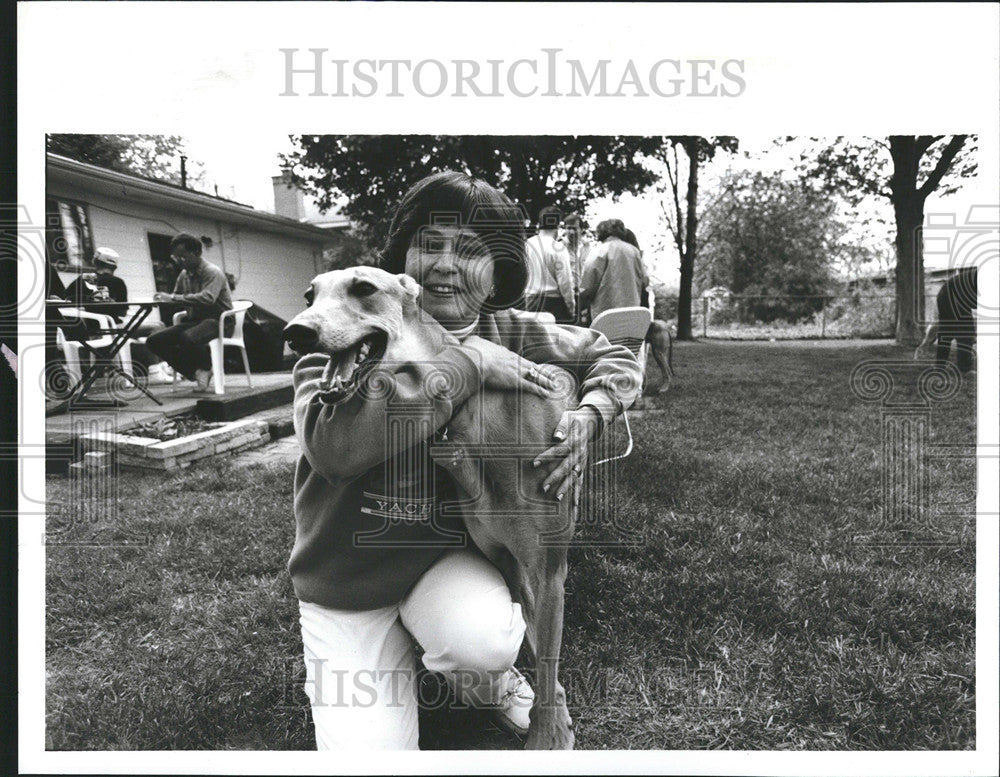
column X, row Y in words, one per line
column 236, row 404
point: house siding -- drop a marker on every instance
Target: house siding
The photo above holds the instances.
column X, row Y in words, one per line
column 272, row 270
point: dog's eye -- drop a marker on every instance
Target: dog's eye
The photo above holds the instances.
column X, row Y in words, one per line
column 363, row 289
column 309, row 296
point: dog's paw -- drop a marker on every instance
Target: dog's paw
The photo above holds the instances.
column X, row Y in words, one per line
column 552, row 729
column 554, row 737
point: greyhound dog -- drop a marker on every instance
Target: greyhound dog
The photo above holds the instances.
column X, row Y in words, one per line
column 370, row 323
column 930, row 338
column 661, row 346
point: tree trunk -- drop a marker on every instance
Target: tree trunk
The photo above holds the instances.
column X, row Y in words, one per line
column 909, row 270
column 684, row 331
column 908, row 206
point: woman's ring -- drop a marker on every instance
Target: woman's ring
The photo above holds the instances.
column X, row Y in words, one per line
column 576, row 468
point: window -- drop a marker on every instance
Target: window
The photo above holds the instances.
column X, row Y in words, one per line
column 165, row 272
column 68, row 237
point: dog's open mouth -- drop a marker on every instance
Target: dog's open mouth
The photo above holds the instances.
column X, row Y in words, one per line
column 346, row 368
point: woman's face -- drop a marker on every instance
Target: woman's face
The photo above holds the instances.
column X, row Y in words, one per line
column 456, row 271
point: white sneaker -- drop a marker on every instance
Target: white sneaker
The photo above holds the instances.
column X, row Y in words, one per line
column 158, row 377
column 203, row 378
column 511, row 712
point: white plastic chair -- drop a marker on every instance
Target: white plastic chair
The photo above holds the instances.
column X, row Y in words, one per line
column 71, row 348
column 628, row 327
column 217, row 346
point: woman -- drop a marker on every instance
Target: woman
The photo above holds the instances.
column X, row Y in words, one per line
column 374, row 573
column 615, row 276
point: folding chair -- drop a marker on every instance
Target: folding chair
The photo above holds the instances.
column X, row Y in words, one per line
column 626, row 326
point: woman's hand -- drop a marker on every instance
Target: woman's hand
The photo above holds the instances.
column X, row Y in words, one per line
column 574, row 431
column 505, row 370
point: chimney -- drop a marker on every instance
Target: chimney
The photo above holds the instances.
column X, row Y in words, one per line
column 288, row 200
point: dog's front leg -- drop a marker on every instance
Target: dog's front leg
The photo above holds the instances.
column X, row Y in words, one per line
column 551, row 725
column 930, row 336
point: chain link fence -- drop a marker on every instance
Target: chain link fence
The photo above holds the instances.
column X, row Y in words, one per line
column 788, row 317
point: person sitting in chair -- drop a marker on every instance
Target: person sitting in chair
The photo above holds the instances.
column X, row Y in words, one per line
column 204, row 290
column 88, row 288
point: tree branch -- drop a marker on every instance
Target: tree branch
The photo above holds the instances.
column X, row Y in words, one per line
column 711, row 206
column 924, row 142
column 947, row 157
column 669, row 220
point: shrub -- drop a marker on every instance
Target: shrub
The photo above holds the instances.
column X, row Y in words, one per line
column 665, row 302
column 859, row 316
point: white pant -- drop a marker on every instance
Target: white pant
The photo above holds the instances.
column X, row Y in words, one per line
column 361, row 666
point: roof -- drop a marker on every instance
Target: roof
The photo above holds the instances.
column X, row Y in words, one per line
column 329, row 220
column 112, row 183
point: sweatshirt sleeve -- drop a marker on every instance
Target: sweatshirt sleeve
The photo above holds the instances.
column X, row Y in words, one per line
column 345, row 439
column 609, row 375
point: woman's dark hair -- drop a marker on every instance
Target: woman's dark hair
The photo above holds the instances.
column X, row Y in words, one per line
column 630, row 238
column 455, row 199
column 611, row 228
column 187, row 242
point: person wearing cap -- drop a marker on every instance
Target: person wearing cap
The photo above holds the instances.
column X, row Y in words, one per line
column 204, row 290
column 85, row 289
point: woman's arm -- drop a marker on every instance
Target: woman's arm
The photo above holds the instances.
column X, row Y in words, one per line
column 610, row 381
column 608, row 375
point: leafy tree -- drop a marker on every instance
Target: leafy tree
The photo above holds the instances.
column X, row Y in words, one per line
column 151, row 156
column 349, row 250
column 374, row 171
column 683, row 224
column 771, row 238
column 906, row 169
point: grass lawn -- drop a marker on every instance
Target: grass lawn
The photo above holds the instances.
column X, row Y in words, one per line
column 752, row 613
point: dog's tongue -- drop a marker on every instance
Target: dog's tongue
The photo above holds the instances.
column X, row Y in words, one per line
column 340, row 366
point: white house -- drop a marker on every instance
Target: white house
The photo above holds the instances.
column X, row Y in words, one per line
column 271, row 257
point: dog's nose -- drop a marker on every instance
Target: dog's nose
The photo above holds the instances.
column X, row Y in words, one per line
column 301, row 338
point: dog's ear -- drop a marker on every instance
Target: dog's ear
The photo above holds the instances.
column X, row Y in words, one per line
column 410, row 287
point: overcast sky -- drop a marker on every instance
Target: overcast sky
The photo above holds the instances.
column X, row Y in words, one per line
column 242, row 169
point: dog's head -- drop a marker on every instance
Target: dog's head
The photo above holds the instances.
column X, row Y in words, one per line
column 353, row 317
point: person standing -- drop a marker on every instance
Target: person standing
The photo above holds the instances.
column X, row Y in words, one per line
column 615, row 276
column 577, row 246
column 550, row 279
column 204, row 290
